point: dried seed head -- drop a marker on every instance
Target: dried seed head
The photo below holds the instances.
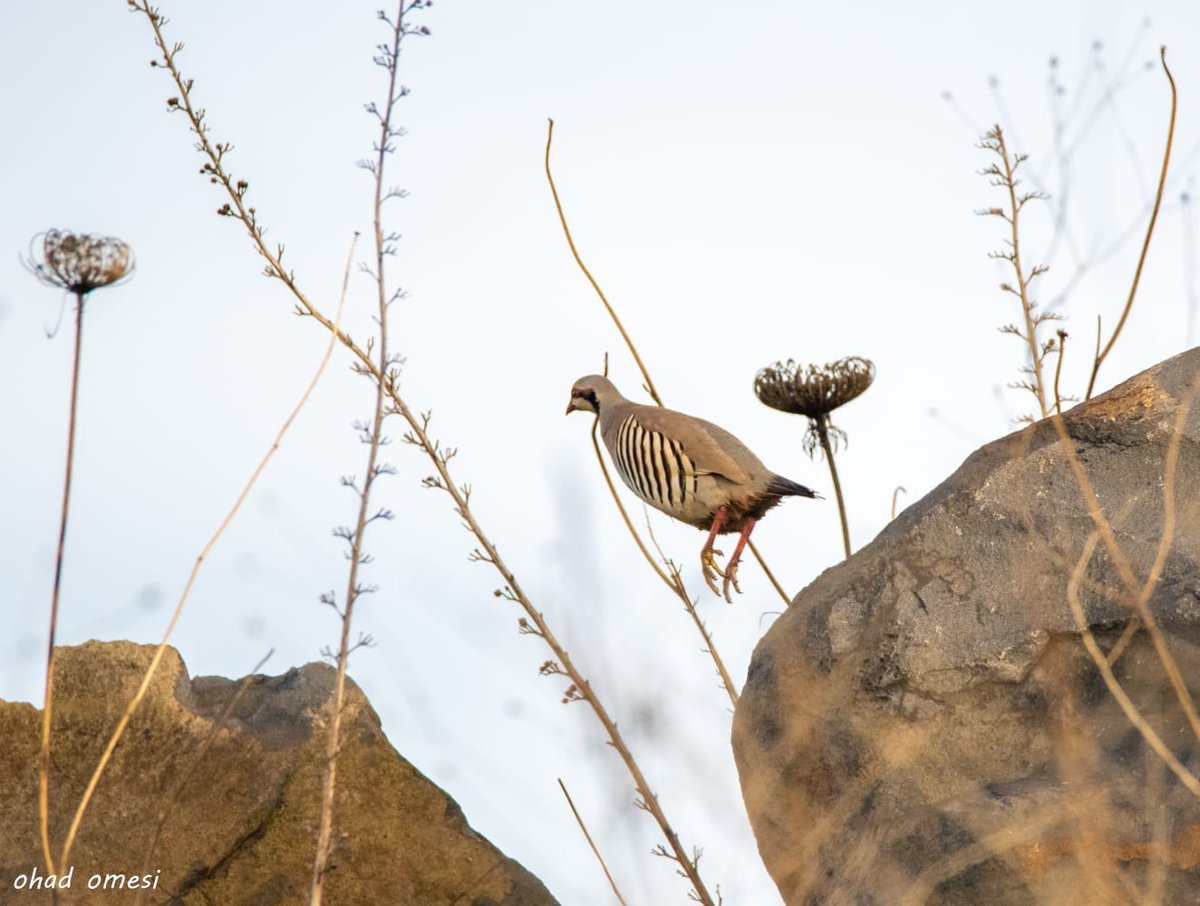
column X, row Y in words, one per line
column 79, row 262
column 813, row 390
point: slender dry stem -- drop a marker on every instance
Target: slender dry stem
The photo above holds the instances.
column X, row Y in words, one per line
column 1137, row 274
column 671, row 576
column 534, row 623
column 592, row 843
column 1132, row 714
column 1006, row 178
column 197, row 759
column 321, row 862
column 823, row 433
column 1140, row 592
column 648, row 382
column 48, row 701
column 134, row 702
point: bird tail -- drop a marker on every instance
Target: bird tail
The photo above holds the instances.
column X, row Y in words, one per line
column 785, row 487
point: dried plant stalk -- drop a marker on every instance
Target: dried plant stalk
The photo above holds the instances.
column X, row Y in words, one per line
column 533, row 623
column 815, row 392
column 648, row 383
column 80, row 264
column 1004, row 176
column 592, row 843
column 134, row 702
column 389, row 59
column 1101, row 355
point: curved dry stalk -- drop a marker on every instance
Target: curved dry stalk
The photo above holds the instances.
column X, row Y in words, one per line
column 583, row 827
column 592, row 280
column 1140, row 592
column 127, row 715
column 218, row 725
column 1098, row 657
column 649, row 384
column 674, row 581
column 534, row 623
column 895, row 497
column 1137, row 274
column 48, row 700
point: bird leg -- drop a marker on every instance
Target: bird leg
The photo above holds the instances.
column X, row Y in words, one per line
column 731, row 567
column 708, row 566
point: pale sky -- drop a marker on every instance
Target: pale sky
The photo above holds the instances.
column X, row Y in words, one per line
column 748, row 182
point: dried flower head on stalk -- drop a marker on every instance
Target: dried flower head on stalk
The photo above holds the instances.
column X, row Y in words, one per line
column 815, row 391
column 79, row 262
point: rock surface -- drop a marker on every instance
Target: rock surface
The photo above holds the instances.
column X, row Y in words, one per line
column 242, row 804
column 924, row 724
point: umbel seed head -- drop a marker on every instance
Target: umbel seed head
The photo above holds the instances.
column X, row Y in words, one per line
column 813, row 390
column 79, row 262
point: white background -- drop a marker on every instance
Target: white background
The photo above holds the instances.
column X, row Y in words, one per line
column 748, row 182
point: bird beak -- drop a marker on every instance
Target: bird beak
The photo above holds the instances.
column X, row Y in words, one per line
column 570, row 406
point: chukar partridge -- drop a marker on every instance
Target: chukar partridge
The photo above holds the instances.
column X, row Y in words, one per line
column 690, row 469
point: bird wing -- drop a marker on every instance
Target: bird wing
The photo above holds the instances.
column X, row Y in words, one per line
column 701, row 441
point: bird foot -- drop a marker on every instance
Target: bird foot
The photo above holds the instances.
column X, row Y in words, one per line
column 730, row 579
column 710, row 570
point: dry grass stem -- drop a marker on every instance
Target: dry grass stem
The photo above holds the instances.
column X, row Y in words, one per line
column 1137, row 274
column 1098, row 657
column 562, row 218
column 1140, row 592
column 671, row 576
column 78, row 263
column 592, row 843
column 48, row 698
column 647, row 382
column 534, row 622
column 196, row 760
column 1004, row 176
column 900, row 489
column 187, row 590
column 387, row 133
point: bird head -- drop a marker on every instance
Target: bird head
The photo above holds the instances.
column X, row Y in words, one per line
column 589, row 393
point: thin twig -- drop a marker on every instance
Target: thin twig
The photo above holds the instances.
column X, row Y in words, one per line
column 197, row 760
column 592, row 280
column 583, row 827
column 48, row 701
column 895, row 495
column 1137, row 274
column 1062, row 348
column 1110, row 680
column 187, row 590
column 674, row 581
column 321, row 862
column 534, row 623
column 1140, row 592
column 649, row 384
column 1009, row 183
column 823, row 434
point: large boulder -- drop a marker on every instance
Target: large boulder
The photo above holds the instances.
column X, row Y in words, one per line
column 216, row 788
column 925, row 724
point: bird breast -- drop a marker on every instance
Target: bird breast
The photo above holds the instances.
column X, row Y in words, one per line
column 659, row 471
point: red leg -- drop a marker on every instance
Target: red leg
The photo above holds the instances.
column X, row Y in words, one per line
column 731, row 567
column 707, row 566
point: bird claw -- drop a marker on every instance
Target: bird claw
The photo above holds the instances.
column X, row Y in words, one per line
column 730, row 578
column 710, row 570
